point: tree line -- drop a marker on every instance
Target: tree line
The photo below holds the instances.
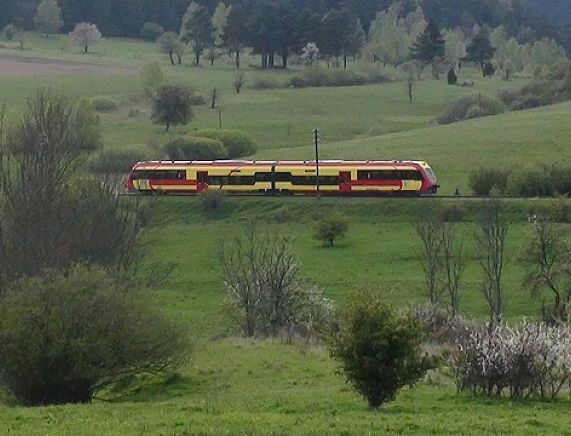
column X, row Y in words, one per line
column 126, row 17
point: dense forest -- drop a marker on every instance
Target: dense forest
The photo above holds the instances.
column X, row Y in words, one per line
column 524, row 19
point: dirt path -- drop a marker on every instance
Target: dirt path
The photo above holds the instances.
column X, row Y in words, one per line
column 17, row 66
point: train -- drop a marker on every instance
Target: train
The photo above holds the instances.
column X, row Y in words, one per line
column 336, row 177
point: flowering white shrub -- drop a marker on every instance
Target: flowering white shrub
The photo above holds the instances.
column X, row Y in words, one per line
column 527, row 359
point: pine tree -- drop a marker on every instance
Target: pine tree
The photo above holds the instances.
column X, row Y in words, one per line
column 48, row 17
column 429, row 45
column 480, row 50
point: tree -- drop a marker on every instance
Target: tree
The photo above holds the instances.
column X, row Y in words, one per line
column 453, row 265
column 48, row 17
column 171, row 105
column 491, row 237
column 480, row 50
column 238, row 82
column 219, row 20
column 151, row 31
column 263, row 285
column 452, row 77
column 85, row 35
column 454, row 46
column 58, row 348
column 330, row 228
column 548, row 262
column 152, row 77
column 429, row 45
column 235, row 33
column 429, row 231
column 378, row 351
column 170, row 44
column 197, row 27
column 338, row 28
column 411, row 72
column 89, row 123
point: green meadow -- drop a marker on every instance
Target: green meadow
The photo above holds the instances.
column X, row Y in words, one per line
column 236, row 386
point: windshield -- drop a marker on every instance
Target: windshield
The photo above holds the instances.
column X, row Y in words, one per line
column 430, row 174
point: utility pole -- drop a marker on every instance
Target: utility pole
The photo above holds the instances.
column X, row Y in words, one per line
column 317, row 139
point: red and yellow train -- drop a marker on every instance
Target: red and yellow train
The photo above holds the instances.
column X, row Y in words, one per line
column 284, row 177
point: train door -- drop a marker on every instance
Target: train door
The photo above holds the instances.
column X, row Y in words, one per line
column 201, row 181
column 345, row 181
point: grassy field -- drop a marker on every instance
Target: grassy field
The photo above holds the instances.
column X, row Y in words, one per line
column 233, row 386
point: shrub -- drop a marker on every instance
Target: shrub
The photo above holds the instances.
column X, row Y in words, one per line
column 117, row 160
column 378, row 350
column 484, row 180
column 89, row 124
column 197, row 99
column 377, row 73
column 104, row 104
column 450, row 214
column 237, row 144
column 212, row 200
column 528, row 359
column 264, row 290
column 531, row 183
column 439, row 326
column 452, row 77
column 471, row 107
column 151, row 31
column 152, row 77
column 317, row 77
column 64, row 337
column 330, row 228
column 261, row 83
column 195, row 148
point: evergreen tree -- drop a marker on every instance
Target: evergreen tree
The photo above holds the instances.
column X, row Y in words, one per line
column 338, row 28
column 48, row 17
column 198, row 28
column 480, row 50
column 429, row 45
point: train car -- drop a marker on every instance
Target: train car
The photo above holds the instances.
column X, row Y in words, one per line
column 336, row 177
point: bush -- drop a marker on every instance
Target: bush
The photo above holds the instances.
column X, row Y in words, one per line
column 89, row 124
column 452, row 77
column 195, row 148
column 261, row 83
column 104, row 104
column 212, row 200
column 151, row 31
column 317, row 77
column 486, row 180
column 471, row 107
column 378, row 350
column 439, row 326
column 237, row 144
column 197, row 99
column 152, row 77
column 64, row 337
column 330, row 228
column 528, row 359
column 9, row 31
column 117, row 160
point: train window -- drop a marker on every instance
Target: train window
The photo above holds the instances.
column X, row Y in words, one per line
column 377, row 175
column 312, row 180
column 159, row 175
column 230, row 180
column 410, row 175
column 263, row 177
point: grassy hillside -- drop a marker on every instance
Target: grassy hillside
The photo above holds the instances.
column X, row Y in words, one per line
column 234, row 386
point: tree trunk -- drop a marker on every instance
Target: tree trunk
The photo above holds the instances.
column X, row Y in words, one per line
column 168, row 126
column 179, row 59
column 284, row 61
column 237, row 60
column 171, row 58
column 212, row 62
column 345, row 60
column 197, row 58
column 85, row 48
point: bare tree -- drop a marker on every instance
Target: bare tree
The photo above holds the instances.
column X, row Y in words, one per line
column 264, row 288
column 454, row 265
column 429, row 231
column 548, row 260
column 491, row 235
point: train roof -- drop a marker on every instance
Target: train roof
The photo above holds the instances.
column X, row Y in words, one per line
column 277, row 162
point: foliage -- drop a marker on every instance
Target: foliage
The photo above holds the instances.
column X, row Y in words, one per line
column 212, row 201
column 111, row 161
column 429, row 45
column 219, row 20
column 236, row 143
column 195, row 148
column 452, row 77
column 171, row 105
column 469, row 107
column 238, row 82
column 197, row 27
column 235, row 33
column 378, row 350
column 527, row 359
column 57, row 348
column 318, row 76
column 151, row 31
column 89, row 124
column 85, row 35
column 337, row 34
column 330, row 228
column 9, row 31
column 170, row 44
column 48, row 17
column 104, row 104
column 484, row 181
column 264, row 289
column 263, row 82
column 439, row 325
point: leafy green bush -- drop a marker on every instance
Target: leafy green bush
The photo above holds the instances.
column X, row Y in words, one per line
column 378, row 350
column 260, row 83
column 237, row 144
column 318, row 76
column 89, row 124
column 484, row 180
column 104, row 104
column 151, row 31
column 64, row 337
column 472, row 106
column 212, row 201
column 330, row 228
column 195, row 148
column 118, row 160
